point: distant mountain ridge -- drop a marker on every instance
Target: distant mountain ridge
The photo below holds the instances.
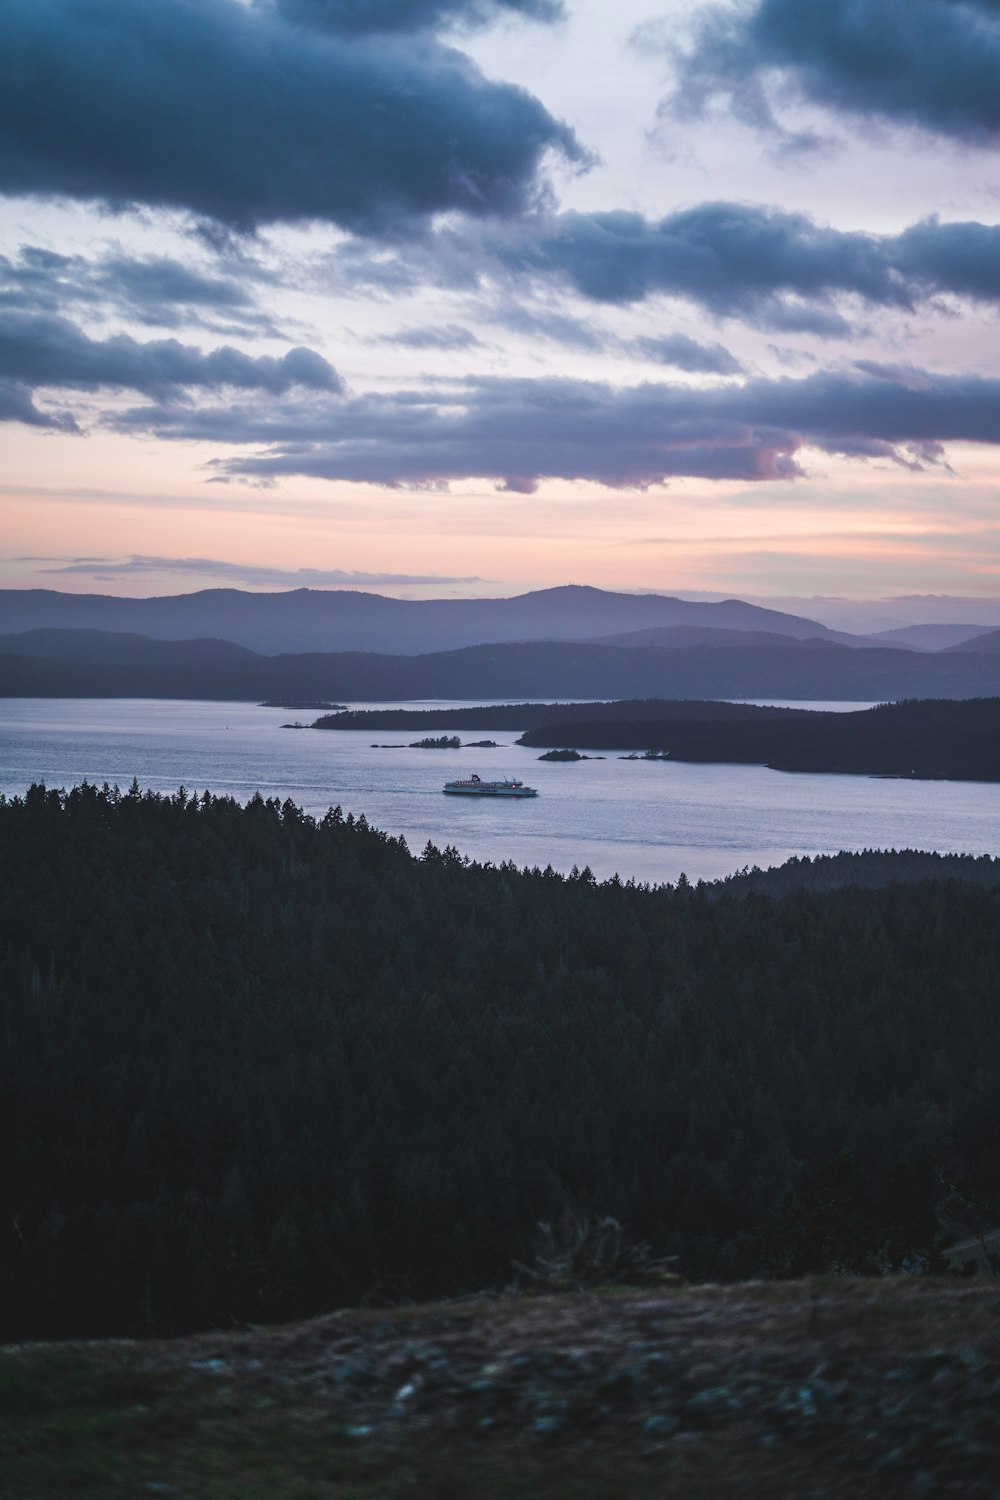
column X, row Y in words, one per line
column 678, row 637
column 932, row 637
column 136, row 667
column 121, row 648
column 872, row 616
column 983, row 645
column 310, row 620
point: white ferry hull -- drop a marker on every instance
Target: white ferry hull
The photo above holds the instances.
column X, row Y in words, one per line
column 489, row 791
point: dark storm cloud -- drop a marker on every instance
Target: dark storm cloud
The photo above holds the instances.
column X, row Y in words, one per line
column 43, row 351
column 518, row 432
column 154, row 290
column 241, row 116
column 359, row 17
column 929, row 63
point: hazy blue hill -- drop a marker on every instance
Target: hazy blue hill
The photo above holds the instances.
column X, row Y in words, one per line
column 681, row 637
column 677, row 637
column 572, row 670
column 121, row 648
column 38, row 677
column 987, row 644
column 100, row 664
column 309, row 620
column 932, row 637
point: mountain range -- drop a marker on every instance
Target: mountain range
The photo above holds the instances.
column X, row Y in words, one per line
column 96, row 664
column 565, row 642
column 328, row 620
column 871, row 616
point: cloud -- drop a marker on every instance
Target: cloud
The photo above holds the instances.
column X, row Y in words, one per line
column 239, row 115
column 736, row 259
column 42, row 351
column 517, row 432
column 360, row 17
column 683, row 353
column 448, row 336
column 778, row 271
column 962, row 259
column 307, row 578
column 16, row 405
column 158, row 291
column 548, row 323
column 934, row 64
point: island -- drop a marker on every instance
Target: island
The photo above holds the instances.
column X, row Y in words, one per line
column 535, row 715
column 314, row 705
column 920, row 738
column 568, row 755
column 923, row 739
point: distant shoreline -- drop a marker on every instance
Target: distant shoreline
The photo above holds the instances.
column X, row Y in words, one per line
column 916, row 739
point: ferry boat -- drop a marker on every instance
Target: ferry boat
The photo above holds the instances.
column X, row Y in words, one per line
column 474, row 786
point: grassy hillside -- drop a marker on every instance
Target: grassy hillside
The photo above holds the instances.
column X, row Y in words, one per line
column 836, row 1388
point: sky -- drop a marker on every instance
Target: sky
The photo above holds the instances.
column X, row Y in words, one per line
column 456, row 297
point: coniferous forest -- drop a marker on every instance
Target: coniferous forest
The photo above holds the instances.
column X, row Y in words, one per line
column 255, row 1066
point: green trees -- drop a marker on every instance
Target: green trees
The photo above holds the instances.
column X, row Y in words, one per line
column 254, row 1065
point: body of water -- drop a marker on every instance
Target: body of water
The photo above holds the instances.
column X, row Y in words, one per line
column 647, row 820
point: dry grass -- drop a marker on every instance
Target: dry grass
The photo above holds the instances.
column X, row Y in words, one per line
column 315, row 1410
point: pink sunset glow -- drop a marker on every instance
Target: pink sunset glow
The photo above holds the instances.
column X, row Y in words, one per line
column 669, row 346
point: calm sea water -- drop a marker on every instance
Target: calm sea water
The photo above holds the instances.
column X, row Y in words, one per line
column 643, row 819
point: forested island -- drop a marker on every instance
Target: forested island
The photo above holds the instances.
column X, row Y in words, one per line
column 926, row 739
column 305, row 703
column 258, row 1066
column 930, row 738
column 543, row 715
column 566, row 756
